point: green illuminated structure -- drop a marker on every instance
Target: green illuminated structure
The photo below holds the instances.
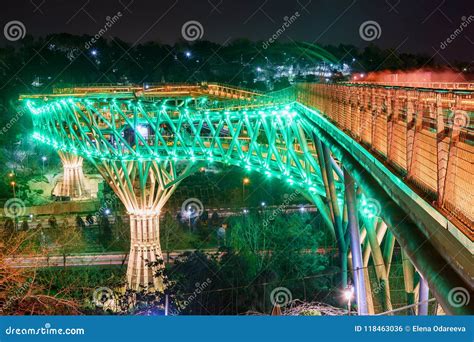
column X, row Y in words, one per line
column 144, row 142
column 144, row 147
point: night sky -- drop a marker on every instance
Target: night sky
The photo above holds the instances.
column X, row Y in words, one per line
column 406, row 25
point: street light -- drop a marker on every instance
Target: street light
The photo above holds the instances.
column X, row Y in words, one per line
column 245, row 182
column 263, row 204
column 348, row 294
column 191, row 213
column 13, row 187
column 14, row 207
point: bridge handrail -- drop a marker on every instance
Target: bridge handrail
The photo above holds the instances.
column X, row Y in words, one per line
column 83, row 88
column 220, row 84
column 74, row 88
column 437, row 125
column 285, row 95
column 430, row 85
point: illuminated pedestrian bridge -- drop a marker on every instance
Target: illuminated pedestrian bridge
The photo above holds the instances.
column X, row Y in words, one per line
column 381, row 163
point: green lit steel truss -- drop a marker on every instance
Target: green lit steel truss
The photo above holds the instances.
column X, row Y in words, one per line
column 272, row 139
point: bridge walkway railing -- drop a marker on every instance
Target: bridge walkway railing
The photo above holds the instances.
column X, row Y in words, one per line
column 425, row 137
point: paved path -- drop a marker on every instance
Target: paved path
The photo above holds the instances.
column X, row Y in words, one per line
column 93, row 259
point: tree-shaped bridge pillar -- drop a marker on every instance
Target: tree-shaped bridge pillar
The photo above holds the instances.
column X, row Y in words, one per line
column 143, row 187
column 73, row 183
column 144, row 247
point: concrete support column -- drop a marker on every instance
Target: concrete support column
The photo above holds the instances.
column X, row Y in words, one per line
column 73, row 183
column 144, row 248
column 144, row 187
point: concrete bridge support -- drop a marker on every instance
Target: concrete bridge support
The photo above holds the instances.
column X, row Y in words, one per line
column 73, row 183
column 144, row 187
